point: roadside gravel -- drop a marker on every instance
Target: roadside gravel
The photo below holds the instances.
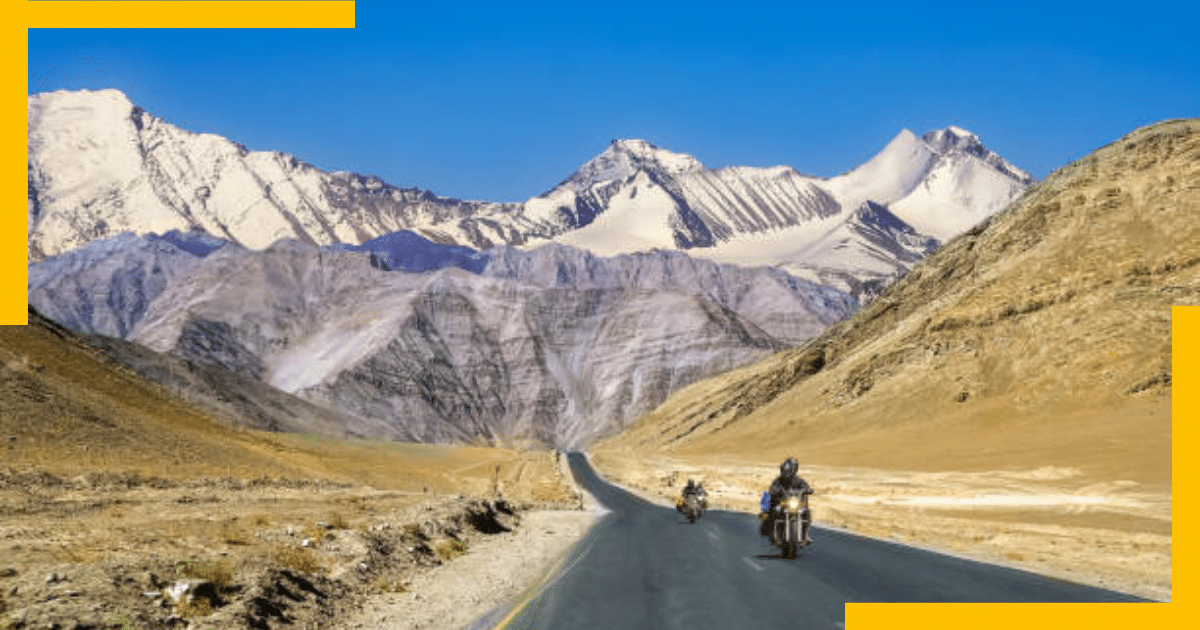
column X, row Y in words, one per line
column 491, row 576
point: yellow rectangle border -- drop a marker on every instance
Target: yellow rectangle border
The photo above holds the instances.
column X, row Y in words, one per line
column 859, row 616
column 189, row 14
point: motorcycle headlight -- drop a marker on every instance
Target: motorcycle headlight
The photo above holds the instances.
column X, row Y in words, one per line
column 793, row 503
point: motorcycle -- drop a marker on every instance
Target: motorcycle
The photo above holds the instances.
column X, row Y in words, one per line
column 691, row 506
column 790, row 522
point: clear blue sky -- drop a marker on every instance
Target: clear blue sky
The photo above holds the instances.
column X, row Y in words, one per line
column 480, row 101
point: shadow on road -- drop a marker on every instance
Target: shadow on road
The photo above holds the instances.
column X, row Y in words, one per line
column 779, row 557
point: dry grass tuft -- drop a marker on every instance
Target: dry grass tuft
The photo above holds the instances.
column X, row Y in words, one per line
column 75, row 554
column 337, row 521
column 219, row 572
column 451, row 549
column 316, row 533
column 198, row 607
column 233, row 534
column 297, row 558
column 384, row 585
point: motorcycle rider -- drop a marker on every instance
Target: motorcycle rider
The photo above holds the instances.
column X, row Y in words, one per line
column 693, row 489
column 787, row 479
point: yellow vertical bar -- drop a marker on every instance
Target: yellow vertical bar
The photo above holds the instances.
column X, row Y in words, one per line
column 1185, row 441
column 14, row 235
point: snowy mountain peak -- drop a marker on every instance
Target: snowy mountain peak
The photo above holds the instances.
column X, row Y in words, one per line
column 958, row 132
column 955, row 138
column 114, row 100
column 82, row 113
column 958, row 140
column 625, row 157
column 634, row 145
column 893, row 173
column 648, row 154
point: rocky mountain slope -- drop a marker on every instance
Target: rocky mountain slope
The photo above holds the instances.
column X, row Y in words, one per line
column 198, row 390
column 1041, row 336
column 551, row 345
column 99, row 166
column 71, row 405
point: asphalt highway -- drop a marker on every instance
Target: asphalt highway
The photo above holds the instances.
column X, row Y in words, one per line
column 644, row 566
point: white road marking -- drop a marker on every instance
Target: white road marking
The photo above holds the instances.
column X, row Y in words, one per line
column 753, row 564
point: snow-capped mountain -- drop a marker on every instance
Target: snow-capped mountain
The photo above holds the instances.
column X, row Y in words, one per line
column 99, row 166
column 964, row 184
column 553, row 320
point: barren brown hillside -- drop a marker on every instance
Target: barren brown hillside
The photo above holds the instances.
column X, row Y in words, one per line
column 1039, row 341
column 113, row 490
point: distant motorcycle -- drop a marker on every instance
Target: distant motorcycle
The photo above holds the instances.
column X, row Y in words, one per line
column 691, row 506
column 790, row 522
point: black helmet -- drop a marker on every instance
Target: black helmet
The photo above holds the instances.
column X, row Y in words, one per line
column 789, row 467
column 691, row 483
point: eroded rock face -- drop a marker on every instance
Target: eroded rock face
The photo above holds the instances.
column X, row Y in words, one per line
column 453, row 356
column 550, row 366
column 106, row 286
column 551, row 345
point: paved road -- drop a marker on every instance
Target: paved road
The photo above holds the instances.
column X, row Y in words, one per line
column 645, row 566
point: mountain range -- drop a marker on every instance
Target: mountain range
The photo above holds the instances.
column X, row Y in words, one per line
column 100, row 165
column 549, row 345
column 553, row 321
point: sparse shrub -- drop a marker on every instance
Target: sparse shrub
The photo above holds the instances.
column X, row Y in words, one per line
column 412, row 529
column 198, row 607
column 337, row 521
column 450, row 549
column 219, row 572
column 233, row 534
column 297, row 558
column 75, row 554
column 261, row 520
column 316, row 533
column 384, row 585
